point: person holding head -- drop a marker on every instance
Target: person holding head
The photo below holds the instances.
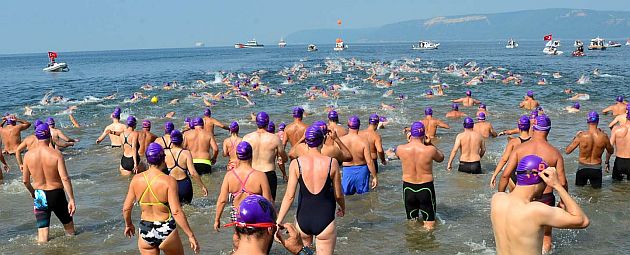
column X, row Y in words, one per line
column 201, row 144
column 161, row 211
column 523, row 127
column 356, row 173
column 618, row 108
column 473, row 148
column 295, row 131
column 592, row 143
column 57, row 138
column 267, row 148
column 179, row 165
column 620, row 139
column 333, row 124
column 315, row 216
column 455, row 113
column 483, row 127
column 432, row 124
column 11, row 133
column 529, row 103
column 519, row 221
column 374, row 140
column 165, row 140
column 113, row 129
column 239, row 183
column 50, row 184
column 229, row 146
column 145, row 137
column 417, row 158
column 467, row 101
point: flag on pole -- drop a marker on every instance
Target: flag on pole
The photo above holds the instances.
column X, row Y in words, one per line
column 547, row 37
column 52, row 54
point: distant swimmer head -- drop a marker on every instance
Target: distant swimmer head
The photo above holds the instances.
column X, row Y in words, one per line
column 314, row 136
column 543, row 123
column 354, row 122
column 468, row 93
column 417, row 130
column 207, row 112
column 576, row 105
column 155, row 154
column 523, row 123
column 51, row 122
column 428, row 111
column 42, row 131
column 298, row 112
column 482, row 106
column 529, row 169
column 116, row 113
column 176, row 137
column 374, row 119
column 333, row 116
column 262, row 120
column 592, row 118
column 244, row 151
column 197, row 122
column 469, row 123
column 271, row 128
column 619, row 99
column 481, row 116
column 146, row 124
column 131, row 121
column 455, row 107
column 530, row 93
column 429, row 92
column 234, row 127
column 168, row 127
column 282, row 126
column 383, row 119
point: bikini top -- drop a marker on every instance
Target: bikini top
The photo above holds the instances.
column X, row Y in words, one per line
column 169, row 169
column 148, row 188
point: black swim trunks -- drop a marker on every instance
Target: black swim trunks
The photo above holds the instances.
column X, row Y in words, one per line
column 48, row 201
column 586, row 173
column 470, row 167
column 203, row 166
column 419, row 200
column 273, row 183
column 127, row 163
column 622, row 166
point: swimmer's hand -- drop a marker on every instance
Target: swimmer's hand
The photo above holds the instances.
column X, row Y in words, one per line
column 213, row 161
column 130, row 231
column 217, row 225
column 340, row 212
column 607, row 167
column 493, row 181
column 550, row 176
column 293, row 242
column 374, row 182
column 449, row 167
column 7, row 169
column 194, row 245
column 98, row 141
column 71, row 207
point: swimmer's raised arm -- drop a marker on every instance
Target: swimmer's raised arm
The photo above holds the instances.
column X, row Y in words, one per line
column 555, row 217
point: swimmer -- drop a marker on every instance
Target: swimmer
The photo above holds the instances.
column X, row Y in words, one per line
column 209, row 122
column 467, row 101
column 592, row 143
column 473, row 148
column 111, row 129
column 28, row 111
column 580, row 96
column 11, row 133
column 179, row 165
column 455, row 113
column 375, row 142
column 431, row 124
column 201, row 143
column 145, row 137
column 529, row 103
column 523, row 131
column 295, row 130
column 229, row 146
column 574, row 108
column 333, row 124
column 482, row 109
column 74, row 121
column 165, row 140
column 619, row 119
column 174, row 101
column 483, row 127
column 386, row 107
column 131, row 156
column 57, row 138
column 618, row 108
column 518, row 221
column 26, row 144
column 620, row 139
column 357, row 173
column 169, row 115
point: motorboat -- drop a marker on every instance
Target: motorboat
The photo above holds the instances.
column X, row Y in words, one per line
column 282, row 43
column 628, row 42
column 339, row 45
column 199, row 44
column 54, row 66
column 511, row 44
column 579, row 49
column 311, row 47
column 250, row 44
column 597, row 44
column 551, row 48
column 612, row 44
column 425, row 45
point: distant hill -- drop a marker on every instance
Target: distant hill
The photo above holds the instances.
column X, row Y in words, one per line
column 521, row 25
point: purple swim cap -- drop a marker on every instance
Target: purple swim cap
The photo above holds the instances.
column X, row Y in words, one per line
column 131, row 121
column 528, row 169
column 417, row 129
column 298, row 112
column 468, row 93
column 207, row 112
column 155, row 154
column 262, row 120
column 533, row 114
column 333, row 116
column 146, row 124
column 428, row 111
column 116, row 113
column 37, row 122
column 592, row 118
column 455, row 106
column 374, row 119
column 50, row 121
column 244, row 151
column 314, row 136
column 271, row 128
column 619, row 99
column 482, row 106
column 234, row 127
column 176, row 137
column 42, row 132
column 282, row 126
column 168, row 127
column 530, row 93
column 481, row 116
column 543, row 123
column 523, row 123
column 255, row 211
column 197, row 122
column 354, row 122
column 11, row 121
column 576, row 105
column 429, row 92
column 469, row 123
column 382, row 118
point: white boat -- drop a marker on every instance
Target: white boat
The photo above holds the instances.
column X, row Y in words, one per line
column 339, row 45
column 579, row 49
column 199, row 44
column 511, row 44
column 628, row 42
column 597, row 44
column 282, row 43
column 54, row 66
column 250, row 44
column 425, row 45
column 311, row 47
column 551, row 48
column 612, row 44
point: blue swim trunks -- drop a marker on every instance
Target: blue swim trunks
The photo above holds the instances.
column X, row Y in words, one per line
column 355, row 180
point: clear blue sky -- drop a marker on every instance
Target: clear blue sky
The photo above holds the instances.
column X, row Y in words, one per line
column 74, row 25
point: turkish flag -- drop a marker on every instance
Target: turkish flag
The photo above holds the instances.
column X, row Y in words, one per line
column 52, row 54
column 547, row 37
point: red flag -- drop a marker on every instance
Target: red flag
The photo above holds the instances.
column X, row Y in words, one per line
column 52, row 54
column 547, row 37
